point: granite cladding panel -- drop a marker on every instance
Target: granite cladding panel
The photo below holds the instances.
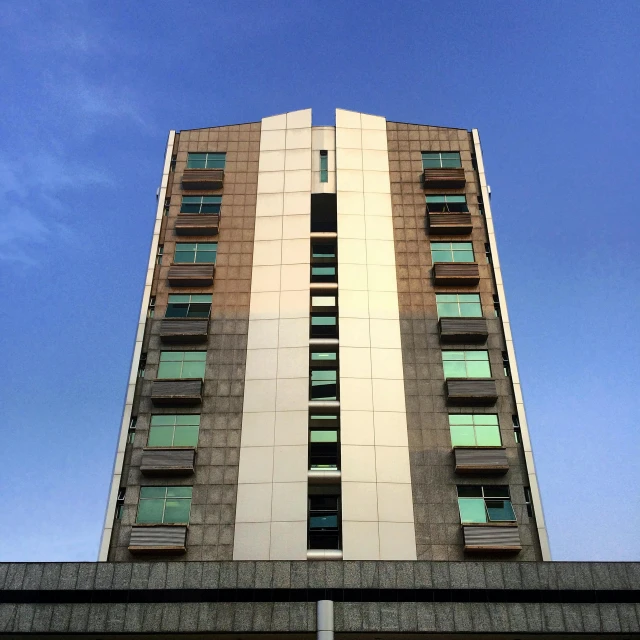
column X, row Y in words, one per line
column 210, row 535
column 437, row 522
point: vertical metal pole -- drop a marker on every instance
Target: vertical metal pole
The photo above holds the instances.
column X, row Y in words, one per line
column 324, row 623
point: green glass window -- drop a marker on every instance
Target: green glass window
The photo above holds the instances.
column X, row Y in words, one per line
column 324, row 384
column 474, row 430
column 196, row 252
column 324, row 356
column 323, row 273
column 481, row 504
column 324, row 166
column 190, row 305
column 447, row 202
column 466, row 364
column 441, row 160
column 201, row 204
column 324, row 321
column 211, row 160
column 182, row 364
column 458, row 305
column 323, row 250
column 174, row 431
column 452, row 252
column 323, row 301
column 164, row 505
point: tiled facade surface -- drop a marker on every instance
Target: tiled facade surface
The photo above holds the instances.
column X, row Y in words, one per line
column 377, row 511
column 271, row 516
column 437, row 521
column 485, row 598
column 211, row 527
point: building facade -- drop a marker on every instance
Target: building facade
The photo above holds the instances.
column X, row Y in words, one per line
column 324, row 367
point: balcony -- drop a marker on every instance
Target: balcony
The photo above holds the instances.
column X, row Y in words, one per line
column 202, row 179
column 471, row 391
column 447, row 178
column 158, row 538
column 463, row 330
column 176, row 392
column 184, row 330
column 449, row 223
column 191, row 275
column 201, row 224
column 167, row 461
column 481, row 459
column 456, row 274
column 492, row 537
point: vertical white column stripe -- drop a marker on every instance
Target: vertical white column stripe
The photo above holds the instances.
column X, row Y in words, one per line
column 135, row 359
column 515, row 378
column 271, row 509
column 377, row 504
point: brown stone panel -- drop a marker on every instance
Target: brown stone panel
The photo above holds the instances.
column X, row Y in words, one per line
column 437, row 522
column 214, row 481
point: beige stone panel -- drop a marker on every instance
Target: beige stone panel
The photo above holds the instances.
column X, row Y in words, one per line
column 347, row 139
column 388, row 395
column 374, row 139
column 350, row 203
column 354, row 332
column 383, row 305
column 390, row 428
column 377, row 160
column 288, row 541
column 376, row 182
column 291, row 428
column 360, row 540
column 297, row 203
column 350, row 227
column 294, row 332
column 293, row 394
column 356, row 428
column 263, row 334
column 352, row 251
column 293, row 363
column 290, row 463
column 349, row 159
column 392, row 464
column 274, row 123
column 251, row 540
column 268, row 228
column 258, row 429
column 299, row 119
column 295, row 277
column 267, row 252
column 271, row 182
column 296, row 251
column 259, row 396
column 298, row 138
column 298, row 159
column 296, row 227
column 254, row 502
column 265, row 278
column 377, row 204
column 256, row 465
column 349, row 179
column 385, row 334
column 373, row 122
column 382, row 277
column 395, row 502
column 295, row 304
column 386, row 364
column 265, row 306
column 378, row 228
column 269, row 204
column 272, row 141
column 272, row 161
column 353, row 304
column 355, row 362
column 289, row 502
column 359, row 501
column 381, row 252
column 348, row 119
column 262, row 364
column 352, row 277
column 296, row 181
column 397, row 541
column 358, row 463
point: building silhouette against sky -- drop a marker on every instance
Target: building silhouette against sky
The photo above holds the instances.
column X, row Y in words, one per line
column 324, row 366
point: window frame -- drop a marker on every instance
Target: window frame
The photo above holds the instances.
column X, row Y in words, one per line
column 439, row 158
column 195, row 417
column 181, row 377
column 450, row 203
column 466, row 360
column 452, row 252
column 473, row 424
column 203, row 201
column 459, row 304
column 166, row 497
column 188, row 303
column 213, row 156
column 195, row 252
column 324, row 165
column 485, row 499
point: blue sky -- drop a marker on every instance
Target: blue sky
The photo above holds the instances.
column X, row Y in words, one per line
column 88, row 93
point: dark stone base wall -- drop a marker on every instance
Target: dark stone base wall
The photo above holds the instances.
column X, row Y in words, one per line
column 214, row 482
column 437, row 522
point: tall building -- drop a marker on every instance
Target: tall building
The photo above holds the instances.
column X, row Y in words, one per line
column 324, row 367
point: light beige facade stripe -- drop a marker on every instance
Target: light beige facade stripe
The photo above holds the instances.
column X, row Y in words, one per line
column 135, row 359
column 377, row 505
column 515, row 378
column 271, row 510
